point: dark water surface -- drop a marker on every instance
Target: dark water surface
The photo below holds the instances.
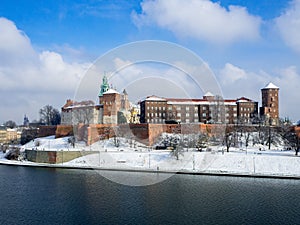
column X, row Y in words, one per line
column 58, row 196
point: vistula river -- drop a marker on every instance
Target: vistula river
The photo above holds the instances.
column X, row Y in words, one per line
column 66, row 196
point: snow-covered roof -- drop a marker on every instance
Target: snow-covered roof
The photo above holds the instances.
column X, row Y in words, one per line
column 208, row 94
column 271, row 86
column 154, row 98
column 111, row 91
column 182, row 103
column 244, row 99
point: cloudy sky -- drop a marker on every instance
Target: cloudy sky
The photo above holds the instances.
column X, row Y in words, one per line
column 47, row 47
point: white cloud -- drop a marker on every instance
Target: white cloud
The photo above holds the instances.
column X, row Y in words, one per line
column 289, row 25
column 231, row 73
column 32, row 79
column 200, row 19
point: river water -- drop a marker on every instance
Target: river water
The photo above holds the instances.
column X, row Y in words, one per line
column 66, row 196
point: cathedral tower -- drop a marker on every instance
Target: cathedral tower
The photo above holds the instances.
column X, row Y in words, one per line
column 104, row 86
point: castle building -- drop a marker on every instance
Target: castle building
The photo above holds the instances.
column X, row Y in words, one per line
column 116, row 105
column 270, row 104
column 84, row 112
column 209, row 109
column 113, row 108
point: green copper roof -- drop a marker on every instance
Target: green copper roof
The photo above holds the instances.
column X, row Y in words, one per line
column 104, row 86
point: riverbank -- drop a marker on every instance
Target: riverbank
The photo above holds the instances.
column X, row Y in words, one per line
column 283, row 165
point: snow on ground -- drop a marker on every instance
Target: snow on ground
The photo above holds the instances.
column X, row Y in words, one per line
column 51, row 143
column 128, row 154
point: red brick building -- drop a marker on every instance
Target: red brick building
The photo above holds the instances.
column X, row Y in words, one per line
column 270, row 104
column 209, row 109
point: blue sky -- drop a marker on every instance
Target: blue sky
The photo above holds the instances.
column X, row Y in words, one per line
column 47, row 46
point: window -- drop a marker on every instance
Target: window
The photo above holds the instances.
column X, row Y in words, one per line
column 178, row 108
column 204, row 107
column 178, row 114
column 187, row 108
column 187, row 115
column 204, row 114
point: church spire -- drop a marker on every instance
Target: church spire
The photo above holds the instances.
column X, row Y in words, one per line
column 104, row 86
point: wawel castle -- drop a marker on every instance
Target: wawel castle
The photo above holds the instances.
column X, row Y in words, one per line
column 114, row 108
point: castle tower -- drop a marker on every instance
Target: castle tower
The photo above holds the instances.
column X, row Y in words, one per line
column 111, row 106
column 125, row 105
column 270, row 103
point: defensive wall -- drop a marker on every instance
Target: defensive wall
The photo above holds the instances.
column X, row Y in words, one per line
column 54, row 157
column 144, row 133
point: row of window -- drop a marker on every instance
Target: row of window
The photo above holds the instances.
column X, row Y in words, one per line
column 204, row 115
column 246, row 109
column 156, row 108
column 159, row 120
column 178, row 108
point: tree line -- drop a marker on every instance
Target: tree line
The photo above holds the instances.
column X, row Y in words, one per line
column 48, row 116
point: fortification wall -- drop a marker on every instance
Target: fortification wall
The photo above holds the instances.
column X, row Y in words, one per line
column 144, row 133
column 54, row 157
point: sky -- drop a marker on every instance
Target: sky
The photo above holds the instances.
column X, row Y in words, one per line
column 47, row 47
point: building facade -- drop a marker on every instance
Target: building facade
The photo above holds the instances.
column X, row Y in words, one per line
column 84, row 112
column 209, row 109
column 10, row 135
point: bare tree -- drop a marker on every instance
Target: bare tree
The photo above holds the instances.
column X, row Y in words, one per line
column 10, row 124
column 177, row 147
column 49, row 115
column 83, row 115
column 201, row 142
column 217, row 110
column 228, row 138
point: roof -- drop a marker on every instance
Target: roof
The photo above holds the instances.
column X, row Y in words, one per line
column 73, row 104
column 153, row 98
column 271, row 86
column 244, row 99
column 208, row 94
column 111, row 91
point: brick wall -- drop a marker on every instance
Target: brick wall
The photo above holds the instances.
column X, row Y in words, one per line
column 46, row 131
column 144, row 133
column 54, row 157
